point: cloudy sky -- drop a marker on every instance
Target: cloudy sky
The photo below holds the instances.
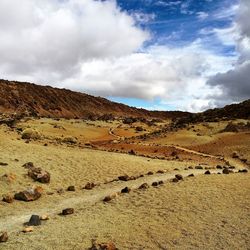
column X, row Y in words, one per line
column 157, row 54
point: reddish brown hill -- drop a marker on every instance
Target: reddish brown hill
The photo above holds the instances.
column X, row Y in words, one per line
column 39, row 100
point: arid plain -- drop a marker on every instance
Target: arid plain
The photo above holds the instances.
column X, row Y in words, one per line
column 102, row 158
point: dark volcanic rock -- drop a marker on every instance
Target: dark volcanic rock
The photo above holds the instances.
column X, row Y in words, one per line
column 175, row 180
column 124, row 178
column 144, row 186
column 155, row 184
column 71, row 188
column 125, row 190
column 89, row 186
column 37, row 174
column 3, row 237
column 68, row 211
column 30, row 194
column 34, row 220
column 179, row 177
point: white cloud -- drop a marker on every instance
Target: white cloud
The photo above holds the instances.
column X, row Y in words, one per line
column 202, row 15
column 234, row 84
column 53, row 38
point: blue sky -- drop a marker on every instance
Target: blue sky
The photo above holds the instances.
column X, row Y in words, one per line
column 177, row 24
column 157, row 54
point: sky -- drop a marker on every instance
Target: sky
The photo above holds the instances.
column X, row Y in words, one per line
column 187, row 55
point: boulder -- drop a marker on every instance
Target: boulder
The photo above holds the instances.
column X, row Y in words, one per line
column 207, row 172
column 29, row 133
column 125, row 190
column 175, row 180
column 8, row 198
column 160, row 172
column 110, row 197
column 89, row 186
column 191, row 175
column 3, row 237
column 30, row 194
column 44, row 217
column 28, row 165
column 243, row 171
column 179, row 177
column 219, row 167
column 68, row 211
column 34, row 220
column 150, row 173
column 226, row 171
column 198, row 167
column 71, row 188
column 39, row 175
column 155, row 184
column 160, row 182
column 144, row 186
column 124, row 178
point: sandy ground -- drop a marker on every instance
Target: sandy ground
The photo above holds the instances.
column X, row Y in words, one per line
column 203, row 212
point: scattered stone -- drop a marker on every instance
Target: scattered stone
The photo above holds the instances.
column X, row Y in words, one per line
column 3, row 164
column 243, row 171
column 244, row 160
column 150, row 173
column 132, row 152
column 28, row 165
column 28, row 229
column 231, row 167
column 103, row 246
column 176, row 169
column 207, row 172
column 125, row 190
column 191, row 175
column 155, row 184
column 179, row 177
column 30, row 194
column 175, row 180
column 60, row 191
column 3, row 237
column 68, row 211
column 190, row 167
column 160, row 182
column 226, row 171
column 235, row 155
column 39, row 175
column 49, row 193
column 71, row 188
column 144, row 186
column 219, row 167
column 44, row 217
column 34, row 220
column 110, row 197
column 160, row 172
column 124, row 178
column 8, row 198
column 198, row 167
column 89, row 186
column 69, row 140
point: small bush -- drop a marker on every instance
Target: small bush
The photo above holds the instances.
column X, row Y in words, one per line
column 29, row 133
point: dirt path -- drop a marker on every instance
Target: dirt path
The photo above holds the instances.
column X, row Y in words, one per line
column 15, row 222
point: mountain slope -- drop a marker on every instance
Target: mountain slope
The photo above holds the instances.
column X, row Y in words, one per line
column 47, row 101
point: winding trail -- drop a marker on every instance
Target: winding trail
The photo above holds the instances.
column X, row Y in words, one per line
column 15, row 222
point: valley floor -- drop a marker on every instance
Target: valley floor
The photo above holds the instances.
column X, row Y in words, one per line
column 201, row 212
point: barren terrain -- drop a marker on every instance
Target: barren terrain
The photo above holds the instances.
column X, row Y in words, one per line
column 207, row 211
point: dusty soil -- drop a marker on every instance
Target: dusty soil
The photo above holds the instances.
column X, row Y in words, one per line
column 200, row 212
